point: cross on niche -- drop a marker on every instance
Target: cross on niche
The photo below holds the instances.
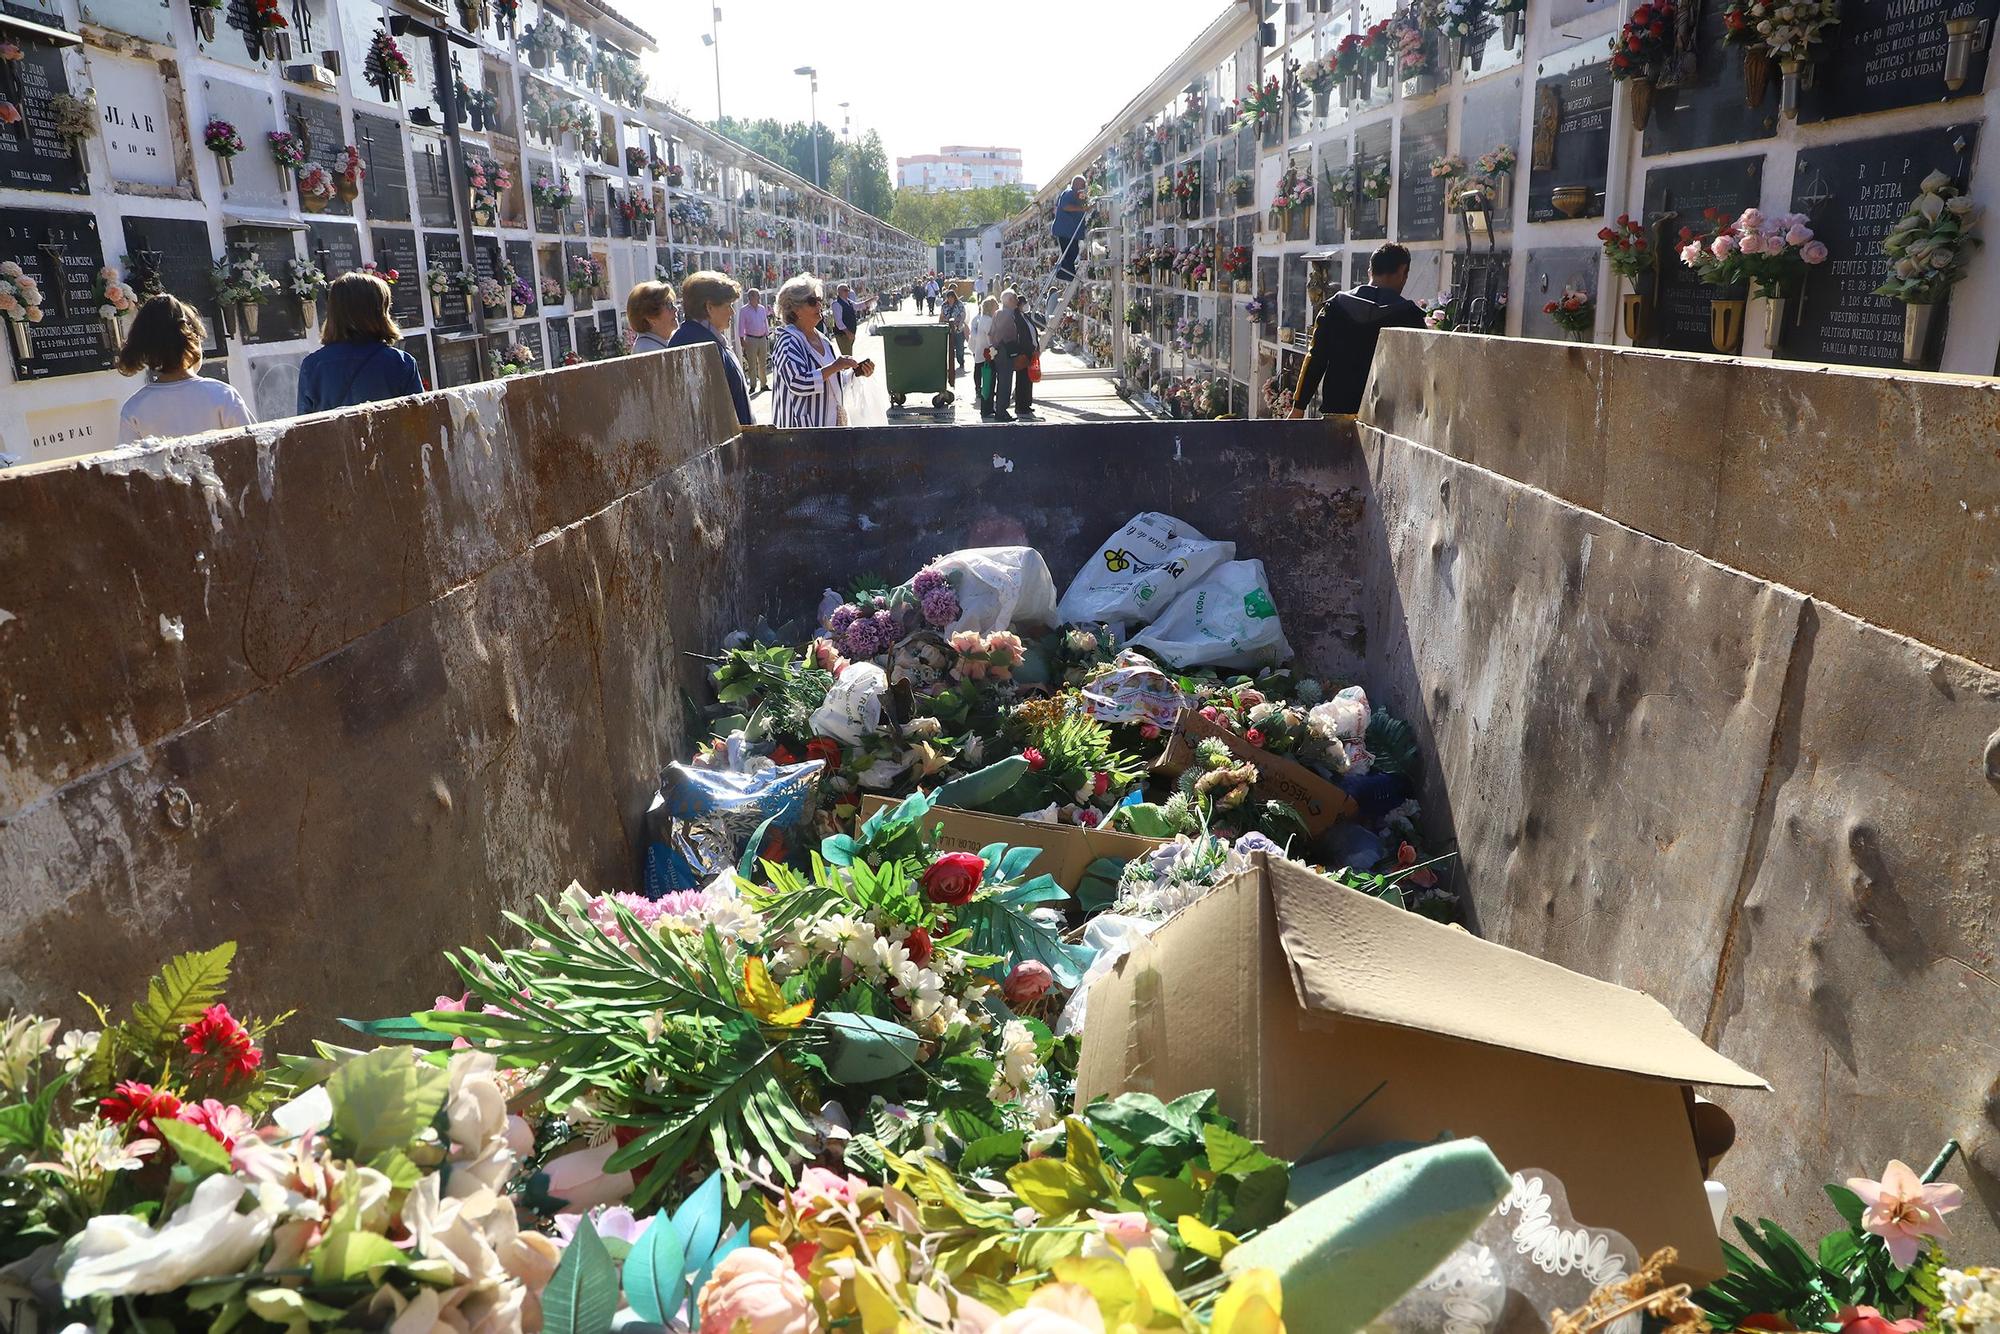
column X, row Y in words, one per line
column 58, row 285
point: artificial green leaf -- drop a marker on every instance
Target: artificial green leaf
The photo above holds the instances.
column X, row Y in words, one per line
column 176, row 997
column 1001, row 924
column 289, row 1307
column 195, row 1146
column 1144, row 818
column 398, row 1028
column 382, row 1100
column 582, row 1297
column 1199, row 1237
column 991, row 1150
column 1168, row 1197
column 210, row 1296
column 1098, row 889
column 396, row 1165
column 354, row 1254
column 1050, row 1186
column 1393, row 745
column 1259, row 1200
column 654, row 1271
column 1848, row 1203
column 1231, row 1155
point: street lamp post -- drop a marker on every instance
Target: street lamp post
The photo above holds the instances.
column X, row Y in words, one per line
column 713, row 41
column 846, row 124
column 812, row 126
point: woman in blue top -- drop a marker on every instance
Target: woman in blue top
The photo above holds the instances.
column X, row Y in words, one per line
column 358, row 360
column 706, row 301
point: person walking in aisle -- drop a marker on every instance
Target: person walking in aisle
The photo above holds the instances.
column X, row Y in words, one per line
column 708, row 299
column 753, row 335
column 358, row 360
column 650, row 308
column 844, row 318
column 982, row 356
column 810, row 375
column 166, row 341
column 1069, row 223
column 1345, row 334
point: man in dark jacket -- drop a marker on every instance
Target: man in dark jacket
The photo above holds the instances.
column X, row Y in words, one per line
column 1343, row 341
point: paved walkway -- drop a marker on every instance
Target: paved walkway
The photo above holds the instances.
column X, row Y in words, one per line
column 1091, row 398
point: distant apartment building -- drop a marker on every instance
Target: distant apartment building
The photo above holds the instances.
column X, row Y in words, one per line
column 960, row 167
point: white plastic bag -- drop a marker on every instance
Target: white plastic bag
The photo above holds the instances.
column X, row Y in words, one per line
column 1134, row 690
column 1226, row 620
column 1137, row 572
column 853, row 708
column 999, row 587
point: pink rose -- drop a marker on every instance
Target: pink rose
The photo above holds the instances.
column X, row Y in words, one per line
column 1131, row 1231
column 1799, row 234
column 755, row 1292
column 1752, row 244
column 818, row 1186
column 1724, row 246
column 1813, row 252
column 1691, row 252
column 1028, row 983
column 1059, row 1308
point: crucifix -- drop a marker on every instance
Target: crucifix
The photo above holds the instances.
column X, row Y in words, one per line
column 301, row 131
column 302, row 24
column 58, row 284
column 146, row 271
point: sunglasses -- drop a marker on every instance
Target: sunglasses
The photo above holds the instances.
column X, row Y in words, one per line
column 813, row 301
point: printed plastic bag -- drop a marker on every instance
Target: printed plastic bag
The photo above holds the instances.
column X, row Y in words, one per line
column 1138, row 571
column 1226, row 620
column 853, row 708
column 1134, row 690
column 999, row 587
column 703, row 818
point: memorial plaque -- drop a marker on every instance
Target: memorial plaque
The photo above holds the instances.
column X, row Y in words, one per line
column 32, row 155
column 1420, row 195
column 254, row 113
column 1491, row 119
column 1890, row 53
column 148, row 19
column 1426, row 275
column 1707, row 107
column 607, row 333
column 458, row 362
column 486, row 256
column 521, row 254
column 274, row 385
column 182, row 255
column 137, row 125
column 418, row 345
column 1549, row 272
column 1369, row 219
column 545, row 219
column 385, row 188
column 62, row 252
column 432, row 175
column 621, row 226
column 1486, row 47
column 559, row 341
column 1678, row 196
column 1871, row 183
column 238, row 37
column 584, row 337
column 528, row 333
column 1570, row 139
column 1481, row 289
column 317, row 123
column 596, row 205
column 1576, row 18
column 396, row 249
column 441, row 252
column 279, row 319
column 71, row 429
column 1330, row 220
column 334, row 246
column 1211, row 184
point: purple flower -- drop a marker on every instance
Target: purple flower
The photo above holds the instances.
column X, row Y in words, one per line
column 887, row 628
column 941, row 607
column 927, row 581
column 843, row 616
column 861, row 639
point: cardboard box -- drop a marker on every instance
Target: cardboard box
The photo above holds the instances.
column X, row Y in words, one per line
column 1067, row 850
column 1293, row 998
column 1319, row 803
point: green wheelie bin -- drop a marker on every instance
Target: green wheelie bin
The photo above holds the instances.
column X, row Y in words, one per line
column 914, row 358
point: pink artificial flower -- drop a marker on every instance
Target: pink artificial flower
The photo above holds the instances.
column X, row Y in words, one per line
column 818, row 1186
column 1122, row 1232
column 1799, row 234
column 1903, row 1211
column 1813, row 252
column 1751, row 244
column 1691, row 252
column 1028, row 983
column 224, row 1124
column 1059, row 1308
column 9, row 114
column 1868, row 1320
column 446, row 1003
column 1751, row 219
column 1088, row 818
column 1723, row 246
column 756, row 1292
column 580, row 1181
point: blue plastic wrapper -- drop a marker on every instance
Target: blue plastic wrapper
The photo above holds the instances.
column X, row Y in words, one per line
column 703, row 819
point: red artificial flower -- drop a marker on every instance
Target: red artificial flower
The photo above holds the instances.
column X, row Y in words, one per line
column 1211, row 713
column 216, row 1036
column 1089, row 818
column 1765, row 1320
column 138, row 1105
column 1549, row 309
column 1028, row 983
column 783, row 755
column 1255, row 736
column 1657, row 28
column 1868, row 1320
column 954, row 878
column 1036, row 760
column 919, row 944
column 826, row 750
column 1100, row 782
column 1606, row 234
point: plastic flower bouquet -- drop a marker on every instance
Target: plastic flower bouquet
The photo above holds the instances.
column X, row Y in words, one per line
column 1929, row 246
column 1626, row 247
column 1575, row 311
column 222, row 139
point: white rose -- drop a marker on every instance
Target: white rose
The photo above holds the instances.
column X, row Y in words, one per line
column 1942, row 257
column 1934, row 182
column 1959, row 207
column 1906, row 268
column 119, row 1256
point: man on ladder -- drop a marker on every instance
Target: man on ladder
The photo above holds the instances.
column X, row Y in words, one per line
column 1072, row 213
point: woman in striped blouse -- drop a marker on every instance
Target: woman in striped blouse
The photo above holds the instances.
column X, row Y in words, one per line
column 809, row 375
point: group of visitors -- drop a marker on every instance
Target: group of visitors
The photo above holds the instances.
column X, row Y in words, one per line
column 1005, row 346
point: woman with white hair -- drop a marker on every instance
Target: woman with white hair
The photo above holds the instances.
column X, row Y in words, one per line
column 809, row 374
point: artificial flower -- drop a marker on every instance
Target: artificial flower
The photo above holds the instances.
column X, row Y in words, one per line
column 23, row 1039
column 138, row 1105
column 580, row 1181
column 1129, row 1231
column 954, row 878
column 1027, row 983
column 1058, row 1308
column 226, row 1125
column 77, row 1047
column 218, row 1037
column 118, row 1255
column 756, row 1292
column 1868, row 1320
column 1904, row 1211
column 817, row 1186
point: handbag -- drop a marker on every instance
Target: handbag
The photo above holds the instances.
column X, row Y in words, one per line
column 1035, row 369
column 1022, row 361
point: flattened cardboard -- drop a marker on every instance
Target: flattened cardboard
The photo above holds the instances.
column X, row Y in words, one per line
column 1067, row 850
column 1295, row 1009
column 1319, row 803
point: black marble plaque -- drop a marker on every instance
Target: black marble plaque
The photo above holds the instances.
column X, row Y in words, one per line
column 396, row 248
column 458, row 362
column 441, row 252
column 1872, row 183
column 521, row 254
column 1569, row 139
column 320, row 123
column 584, row 338
column 1419, row 195
column 39, row 159
column 486, row 256
column 433, row 181
column 241, row 17
column 621, row 226
column 181, row 253
column 596, row 205
column 385, row 189
column 545, row 219
column 1679, row 196
column 334, row 246
column 1707, row 108
column 559, row 342
column 279, row 319
column 418, row 345
column 607, row 333
column 62, row 252
column 1480, row 284
column 1890, row 53
column 1549, row 272
column 1330, row 219
column 529, row 334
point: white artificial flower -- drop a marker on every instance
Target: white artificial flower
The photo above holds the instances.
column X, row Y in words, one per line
column 1930, row 206
column 118, row 1255
column 77, row 1047
column 23, row 1039
column 1958, row 206
column 1934, row 182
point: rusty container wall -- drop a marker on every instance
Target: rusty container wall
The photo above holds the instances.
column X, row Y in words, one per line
column 344, row 688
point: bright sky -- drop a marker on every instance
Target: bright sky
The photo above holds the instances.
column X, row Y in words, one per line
column 921, row 74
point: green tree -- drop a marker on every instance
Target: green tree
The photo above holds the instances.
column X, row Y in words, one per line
column 860, row 175
column 928, row 215
column 787, row 143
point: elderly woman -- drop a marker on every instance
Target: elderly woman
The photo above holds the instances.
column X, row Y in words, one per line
column 982, row 354
column 808, row 371
column 708, row 301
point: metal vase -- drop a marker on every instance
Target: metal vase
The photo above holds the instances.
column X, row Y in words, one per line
column 437, row 306
column 1788, row 88
column 1454, row 51
column 1477, row 56
column 471, row 306
column 24, row 343
column 1639, row 99
column 204, row 19
column 246, row 317
column 1320, row 100
column 225, row 169
column 1725, row 324
column 1636, row 315
column 1918, row 322
column 1774, row 322
column 1510, row 29
column 107, row 332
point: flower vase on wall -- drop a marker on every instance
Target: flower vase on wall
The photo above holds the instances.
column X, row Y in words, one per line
column 1510, row 29
column 309, row 312
column 247, row 313
column 1725, row 324
column 1756, row 76
column 1636, row 314
column 1639, row 100
column 225, row 170
column 24, row 342
column 1774, row 322
column 204, row 19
